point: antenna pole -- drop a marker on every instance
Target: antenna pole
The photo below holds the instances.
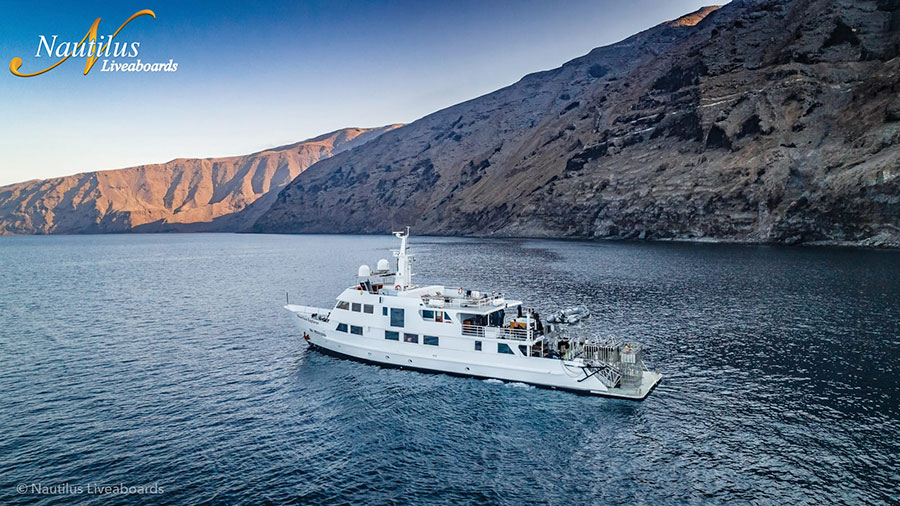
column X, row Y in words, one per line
column 404, row 264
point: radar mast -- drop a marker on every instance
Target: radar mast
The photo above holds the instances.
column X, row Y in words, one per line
column 403, row 279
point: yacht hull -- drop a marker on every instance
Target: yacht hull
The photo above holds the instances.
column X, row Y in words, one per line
column 540, row 372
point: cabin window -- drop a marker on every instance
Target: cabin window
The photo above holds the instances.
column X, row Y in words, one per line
column 396, row 317
column 440, row 316
column 343, row 304
column 504, row 348
column 430, row 340
column 428, row 314
column 355, row 330
column 342, row 327
column 523, row 349
column 390, row 335
column 368, row 308
column 477, row 345
column 411, row 338
column 357, row 307
column 384, row 311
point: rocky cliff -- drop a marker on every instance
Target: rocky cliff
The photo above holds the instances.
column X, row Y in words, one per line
column 762, row 121
column 184, row 194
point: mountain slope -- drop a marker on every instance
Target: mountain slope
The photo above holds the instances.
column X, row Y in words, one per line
column 184, row 194
column 764, row 121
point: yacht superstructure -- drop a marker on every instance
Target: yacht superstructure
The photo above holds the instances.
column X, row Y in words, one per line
column 387, row 320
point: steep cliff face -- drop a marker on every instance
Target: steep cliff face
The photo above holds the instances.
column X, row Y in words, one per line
column 764, row 121
column 184, row 194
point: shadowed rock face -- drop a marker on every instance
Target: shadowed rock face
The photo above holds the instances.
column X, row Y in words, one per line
column 184, row 194
column 762, row 121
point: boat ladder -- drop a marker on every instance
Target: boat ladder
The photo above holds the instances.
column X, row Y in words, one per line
column 608, row 374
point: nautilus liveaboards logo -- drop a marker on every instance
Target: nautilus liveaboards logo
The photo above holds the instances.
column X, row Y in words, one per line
column 118, row 55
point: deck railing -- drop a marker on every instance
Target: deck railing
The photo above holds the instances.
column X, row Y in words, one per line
column 496, row 332
column 462, row 302
column 313, row 318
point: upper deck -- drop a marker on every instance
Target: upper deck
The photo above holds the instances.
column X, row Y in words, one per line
column 438, row 296
column 473, row 313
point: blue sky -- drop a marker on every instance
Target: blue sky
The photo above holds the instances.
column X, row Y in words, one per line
column 253, row 75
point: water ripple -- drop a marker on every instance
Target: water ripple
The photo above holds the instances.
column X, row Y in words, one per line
column 167, row 359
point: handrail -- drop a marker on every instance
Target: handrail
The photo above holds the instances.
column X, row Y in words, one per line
column 461, row 301
column 481, row 301
column 496, row 332
column 572, row 353
column 611, row 374
column 313, row 318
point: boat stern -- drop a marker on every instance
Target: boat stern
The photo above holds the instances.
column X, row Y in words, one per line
column 639, row 392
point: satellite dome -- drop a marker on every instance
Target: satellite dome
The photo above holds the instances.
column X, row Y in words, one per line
column 364, row 271
column 383, row 265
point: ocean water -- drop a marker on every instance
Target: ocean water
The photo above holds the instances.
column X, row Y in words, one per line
column 166, row 362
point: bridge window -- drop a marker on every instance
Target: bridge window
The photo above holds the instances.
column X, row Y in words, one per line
column 342, row 327
column 355, row 330
column 430, row 340
column 368, row 308
column 384, row 311
column 523, row 349
column 357, row 307
column 343, row 304
column 428, row 314
column 477, row 345
column 396, row 317
column 504, row 348
column 411, row 338
column 390, row 335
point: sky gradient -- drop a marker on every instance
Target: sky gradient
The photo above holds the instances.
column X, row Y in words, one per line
column 258, row 75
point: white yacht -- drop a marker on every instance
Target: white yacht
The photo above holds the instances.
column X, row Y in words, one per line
column 387, row 320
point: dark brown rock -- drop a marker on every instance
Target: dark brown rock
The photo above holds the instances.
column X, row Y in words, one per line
column 775, row 120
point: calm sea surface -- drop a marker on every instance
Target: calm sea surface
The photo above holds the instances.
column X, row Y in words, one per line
column 167, row 360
